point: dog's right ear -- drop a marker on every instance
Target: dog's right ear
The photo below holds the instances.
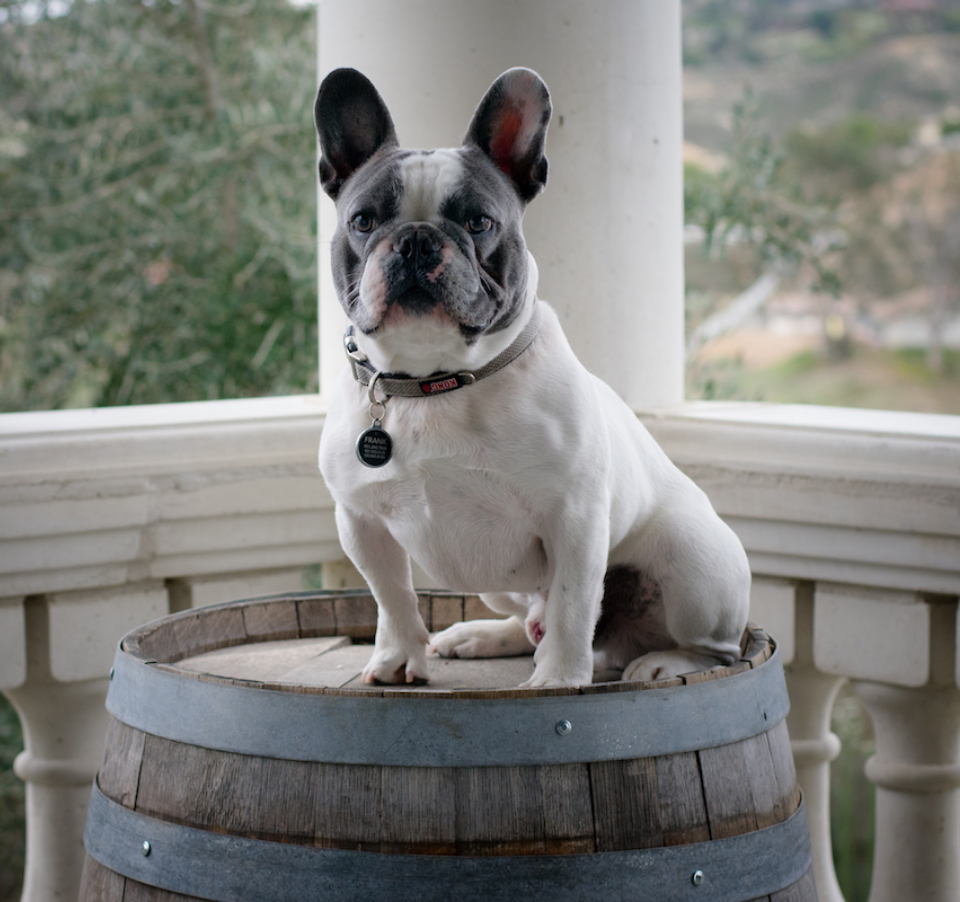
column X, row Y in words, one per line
column 352, row 122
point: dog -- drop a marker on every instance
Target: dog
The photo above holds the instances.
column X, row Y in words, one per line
column 466, row 435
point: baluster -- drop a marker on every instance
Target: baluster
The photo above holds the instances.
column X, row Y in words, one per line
column 70, row 639
column 899, row 649
column 916, row 771
column 786, row 610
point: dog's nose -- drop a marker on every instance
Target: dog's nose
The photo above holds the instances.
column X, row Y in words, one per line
column 418, row 244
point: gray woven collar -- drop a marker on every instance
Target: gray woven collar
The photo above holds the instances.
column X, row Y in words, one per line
column 412, row 387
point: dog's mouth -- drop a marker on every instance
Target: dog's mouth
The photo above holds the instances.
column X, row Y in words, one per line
column 417, row 300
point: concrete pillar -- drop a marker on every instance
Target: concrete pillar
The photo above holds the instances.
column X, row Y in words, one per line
column 64, row 725
column 69, row 641
column 917, row 774
column 607, row 233
column 814, row 746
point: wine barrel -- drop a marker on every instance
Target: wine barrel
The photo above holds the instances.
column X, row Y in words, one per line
column 246, row 762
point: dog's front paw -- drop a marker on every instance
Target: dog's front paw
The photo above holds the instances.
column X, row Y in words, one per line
column 667, row 665
column 482, row 639
column 557, row 665
column 396, row 665
column 547, row 675
column 548, row 681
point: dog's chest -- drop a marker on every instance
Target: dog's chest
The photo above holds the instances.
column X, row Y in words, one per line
column 453, row 496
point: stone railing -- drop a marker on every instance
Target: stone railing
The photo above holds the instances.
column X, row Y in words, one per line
column 851, row 519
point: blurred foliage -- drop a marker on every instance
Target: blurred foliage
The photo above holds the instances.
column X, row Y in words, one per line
column 12, row 838
column 157, row 210
column 852, row 799
column 851, row 155
column 754, row 200
column 756, row 31
column 877, row 379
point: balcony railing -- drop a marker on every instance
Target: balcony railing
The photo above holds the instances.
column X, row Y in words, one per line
column 851, row 520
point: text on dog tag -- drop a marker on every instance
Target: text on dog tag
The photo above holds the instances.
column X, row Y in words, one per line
column 374, row 447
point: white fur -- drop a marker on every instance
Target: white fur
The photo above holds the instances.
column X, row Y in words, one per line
column 428, row 178
column 526, row 487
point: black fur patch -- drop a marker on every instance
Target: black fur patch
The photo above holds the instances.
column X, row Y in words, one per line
column 631, row 617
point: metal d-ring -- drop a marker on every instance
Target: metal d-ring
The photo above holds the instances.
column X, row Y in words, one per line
column 374, row 400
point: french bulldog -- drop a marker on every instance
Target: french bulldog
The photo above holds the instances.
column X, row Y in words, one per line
column 466, row 435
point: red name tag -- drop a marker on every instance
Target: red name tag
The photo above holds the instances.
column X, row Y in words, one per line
column 440, row 385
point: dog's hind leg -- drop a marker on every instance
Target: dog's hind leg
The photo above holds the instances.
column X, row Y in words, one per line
column 704, row 577
column 488, row 638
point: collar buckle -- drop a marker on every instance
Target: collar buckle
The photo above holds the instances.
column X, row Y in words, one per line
column 351, row 347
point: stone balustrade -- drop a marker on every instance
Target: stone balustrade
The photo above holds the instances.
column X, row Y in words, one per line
column 851, row 520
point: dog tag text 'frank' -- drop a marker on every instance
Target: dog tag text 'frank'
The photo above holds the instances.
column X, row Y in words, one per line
column 374, row 447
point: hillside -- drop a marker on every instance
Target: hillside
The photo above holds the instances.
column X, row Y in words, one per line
column 862, row 108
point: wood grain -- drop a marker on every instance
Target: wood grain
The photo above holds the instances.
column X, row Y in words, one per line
column 119, row 774
column 283, row 803
column 728, row 790
column 199, row 787
column 99, row 884
column 272, row 620
column 626, row 804
column 316, row 617
column 768, row 805
column 567, row 808
column 499, row 811
column 418, row 811
column 445, row 610
column 356, row 616
column 138, row 892
column 683, row 809
column 279, row 661
column 784, row 769
column 348, row 809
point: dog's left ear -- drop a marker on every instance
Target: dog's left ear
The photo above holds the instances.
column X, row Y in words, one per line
column 510, row 127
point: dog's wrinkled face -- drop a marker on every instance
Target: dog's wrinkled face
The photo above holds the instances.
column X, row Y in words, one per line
column 431, row 235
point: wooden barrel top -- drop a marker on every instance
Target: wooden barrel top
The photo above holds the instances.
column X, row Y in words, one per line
column 320, row 642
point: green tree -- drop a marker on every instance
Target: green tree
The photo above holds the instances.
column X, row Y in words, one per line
column 157, row 210
column 755, row 200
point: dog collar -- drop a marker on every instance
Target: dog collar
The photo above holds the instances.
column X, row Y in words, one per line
column 412, row 387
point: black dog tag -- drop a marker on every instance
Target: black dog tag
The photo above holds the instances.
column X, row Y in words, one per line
column 374, row 447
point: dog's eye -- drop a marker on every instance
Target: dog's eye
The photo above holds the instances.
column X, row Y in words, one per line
column 363, row 222
column 478, row 224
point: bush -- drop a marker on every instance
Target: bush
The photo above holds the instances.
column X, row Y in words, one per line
column 12, row 834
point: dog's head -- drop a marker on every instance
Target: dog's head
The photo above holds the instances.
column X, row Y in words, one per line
column 428, row 255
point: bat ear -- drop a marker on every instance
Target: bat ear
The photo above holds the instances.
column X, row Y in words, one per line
column 353, row 123
column 510, row 127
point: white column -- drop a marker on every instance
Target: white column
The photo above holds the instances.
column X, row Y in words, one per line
column 917, row 766
column 917, row 774
column 64, row 725
column 607, row 234
column 785, row 609
column 70, row 640
column 899, row 649
column 814, row 746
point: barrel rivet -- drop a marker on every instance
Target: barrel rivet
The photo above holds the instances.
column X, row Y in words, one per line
column 697, row 877
column 564, row 727
column 146, row 848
